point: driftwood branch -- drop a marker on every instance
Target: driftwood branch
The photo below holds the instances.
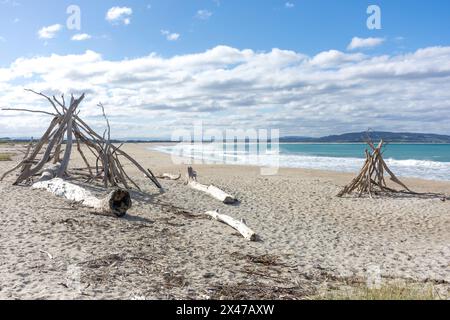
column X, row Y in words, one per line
column 240, row 226
column 168, row 176
column 28, row 110
column 210, row 190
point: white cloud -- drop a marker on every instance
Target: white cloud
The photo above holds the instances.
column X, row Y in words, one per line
column 81, row 37
column 360, row 43
column 334, row 57
column 331, row 92
column 119, row 15
column 2, row 39
column 289, row 5
column 49, row 32
column 12, row 3
column 170, row 36
column 203, row 14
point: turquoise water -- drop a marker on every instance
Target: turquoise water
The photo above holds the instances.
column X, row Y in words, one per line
column 425, row 161
column 428, row 152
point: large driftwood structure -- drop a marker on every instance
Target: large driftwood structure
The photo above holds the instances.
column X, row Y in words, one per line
column 46, row 162
column 66, row 130
column 239, row 226
column 371, row 179
column 211, row 190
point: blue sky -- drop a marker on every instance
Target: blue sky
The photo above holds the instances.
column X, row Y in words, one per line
column 310, row 38
column 311, row 26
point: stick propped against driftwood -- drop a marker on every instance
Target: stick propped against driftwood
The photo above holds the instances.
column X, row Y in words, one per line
column 240, row 226
column 67, row 123
column 117, row 202
column 169, row 176
column 211, row 190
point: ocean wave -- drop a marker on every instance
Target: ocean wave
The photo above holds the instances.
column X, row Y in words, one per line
column 215, row 154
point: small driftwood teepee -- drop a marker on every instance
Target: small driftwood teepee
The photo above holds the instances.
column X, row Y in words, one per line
column 48, row 159
column 371, row 179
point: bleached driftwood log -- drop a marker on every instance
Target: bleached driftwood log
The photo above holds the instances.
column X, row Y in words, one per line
column 240, row 226
column 168, row 176
column 117, row 202
column 211, row 190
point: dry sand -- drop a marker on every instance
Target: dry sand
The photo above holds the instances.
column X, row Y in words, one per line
column 311, row 240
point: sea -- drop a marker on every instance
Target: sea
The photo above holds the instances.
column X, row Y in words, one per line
column 424, row 161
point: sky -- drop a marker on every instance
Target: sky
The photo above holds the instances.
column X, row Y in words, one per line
column 305, row 67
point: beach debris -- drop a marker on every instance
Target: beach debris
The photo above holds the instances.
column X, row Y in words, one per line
column 67, row 131
column 49, row 255
column 168, row 176
column 211, row 190
column 116, row 202
column 371, row 179
column 239, row 226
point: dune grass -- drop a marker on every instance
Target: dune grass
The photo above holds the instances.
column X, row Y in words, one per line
column 385, row 292
column 5, row 157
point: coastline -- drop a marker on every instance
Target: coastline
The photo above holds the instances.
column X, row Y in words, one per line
column 165, row 249
column 350, row 174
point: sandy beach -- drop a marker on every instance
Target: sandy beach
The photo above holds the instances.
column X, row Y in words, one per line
column 311, row 241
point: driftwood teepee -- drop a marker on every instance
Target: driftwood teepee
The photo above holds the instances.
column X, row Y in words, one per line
column 371, row 179
column 49, row 157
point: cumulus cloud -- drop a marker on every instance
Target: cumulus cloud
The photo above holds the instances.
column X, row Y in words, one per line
column 150, row 96
column 49, row 32
column 360, row 43
column 119, row 15
column 335, row 57
column 170, row 36
column 81, row 37
column 203, row 14
column 289, row 5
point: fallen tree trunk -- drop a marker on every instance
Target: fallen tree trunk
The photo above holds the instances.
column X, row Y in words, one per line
column 211, row 190
column 168, row 176
column 240, row 226
column 214, row 192
column 117, row 202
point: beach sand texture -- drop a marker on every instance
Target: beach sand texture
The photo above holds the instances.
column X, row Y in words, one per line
column 165, row 248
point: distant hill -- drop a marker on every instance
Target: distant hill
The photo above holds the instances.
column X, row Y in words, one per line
column 356, row 137
column 391, row 137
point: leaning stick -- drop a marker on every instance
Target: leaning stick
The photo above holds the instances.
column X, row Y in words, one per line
column 32, row 111
column 83, row 156
column 68, row 151
column 39, row 166
column 168, row 176
column 43, row 95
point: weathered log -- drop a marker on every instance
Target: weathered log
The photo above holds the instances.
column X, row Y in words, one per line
column 211, row 190
column 168, row 176
column 50, row 172
column 116, row 202
column 239, row 226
